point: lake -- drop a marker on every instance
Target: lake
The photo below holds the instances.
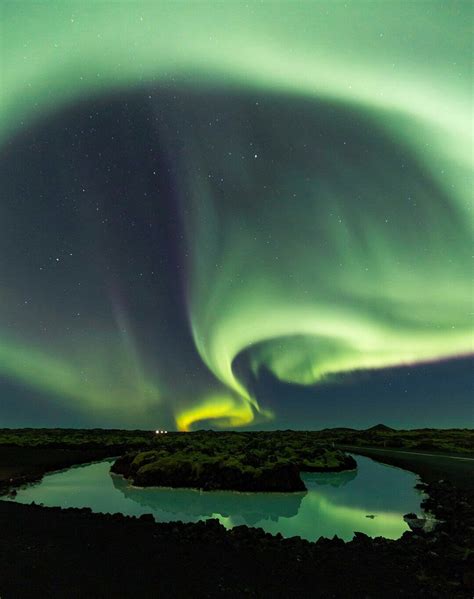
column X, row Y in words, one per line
column 335, row 503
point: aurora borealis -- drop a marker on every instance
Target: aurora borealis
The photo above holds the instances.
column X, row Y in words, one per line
column 209, row 210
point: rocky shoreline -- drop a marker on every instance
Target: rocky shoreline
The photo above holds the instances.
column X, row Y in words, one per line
column 135, row 557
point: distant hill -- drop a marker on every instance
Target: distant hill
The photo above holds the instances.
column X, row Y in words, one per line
column 382, row 428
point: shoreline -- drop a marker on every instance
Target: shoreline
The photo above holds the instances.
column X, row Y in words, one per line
column 58, row 459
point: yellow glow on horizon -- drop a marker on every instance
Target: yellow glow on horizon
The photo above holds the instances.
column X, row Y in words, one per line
column 221, row 408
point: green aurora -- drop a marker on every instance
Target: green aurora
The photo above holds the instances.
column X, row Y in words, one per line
column 324, row 152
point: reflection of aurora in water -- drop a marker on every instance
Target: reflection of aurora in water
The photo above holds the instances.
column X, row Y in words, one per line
column 187, row 200
column 334, row 503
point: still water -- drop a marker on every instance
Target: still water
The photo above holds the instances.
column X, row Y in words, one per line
column 337, row 503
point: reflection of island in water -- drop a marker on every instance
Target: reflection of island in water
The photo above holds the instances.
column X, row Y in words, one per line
column 250, row 507
column 334, row 479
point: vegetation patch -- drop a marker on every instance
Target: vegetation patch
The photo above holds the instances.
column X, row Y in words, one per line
column 263, row 461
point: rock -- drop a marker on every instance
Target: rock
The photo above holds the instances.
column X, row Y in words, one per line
column 468, row 580
column 410, row 516
column 360, row 537
column 416, row 524
column 146, row 518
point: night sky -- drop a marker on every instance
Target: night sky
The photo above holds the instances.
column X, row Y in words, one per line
column 236, row 214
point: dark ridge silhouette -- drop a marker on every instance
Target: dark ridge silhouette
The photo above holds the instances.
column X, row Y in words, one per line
column 380, row 428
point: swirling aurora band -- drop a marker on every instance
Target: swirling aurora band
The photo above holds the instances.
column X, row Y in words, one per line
column 321, row 160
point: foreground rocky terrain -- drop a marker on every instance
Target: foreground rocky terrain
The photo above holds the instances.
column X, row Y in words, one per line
column 49, row 552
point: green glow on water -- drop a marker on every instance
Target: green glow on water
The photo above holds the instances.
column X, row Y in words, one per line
column 336, row 503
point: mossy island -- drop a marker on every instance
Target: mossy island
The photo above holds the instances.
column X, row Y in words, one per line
column 264, row 461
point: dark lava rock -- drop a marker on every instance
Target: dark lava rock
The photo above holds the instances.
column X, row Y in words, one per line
column 146, row 518
column 416, row 524
column 361, row 538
